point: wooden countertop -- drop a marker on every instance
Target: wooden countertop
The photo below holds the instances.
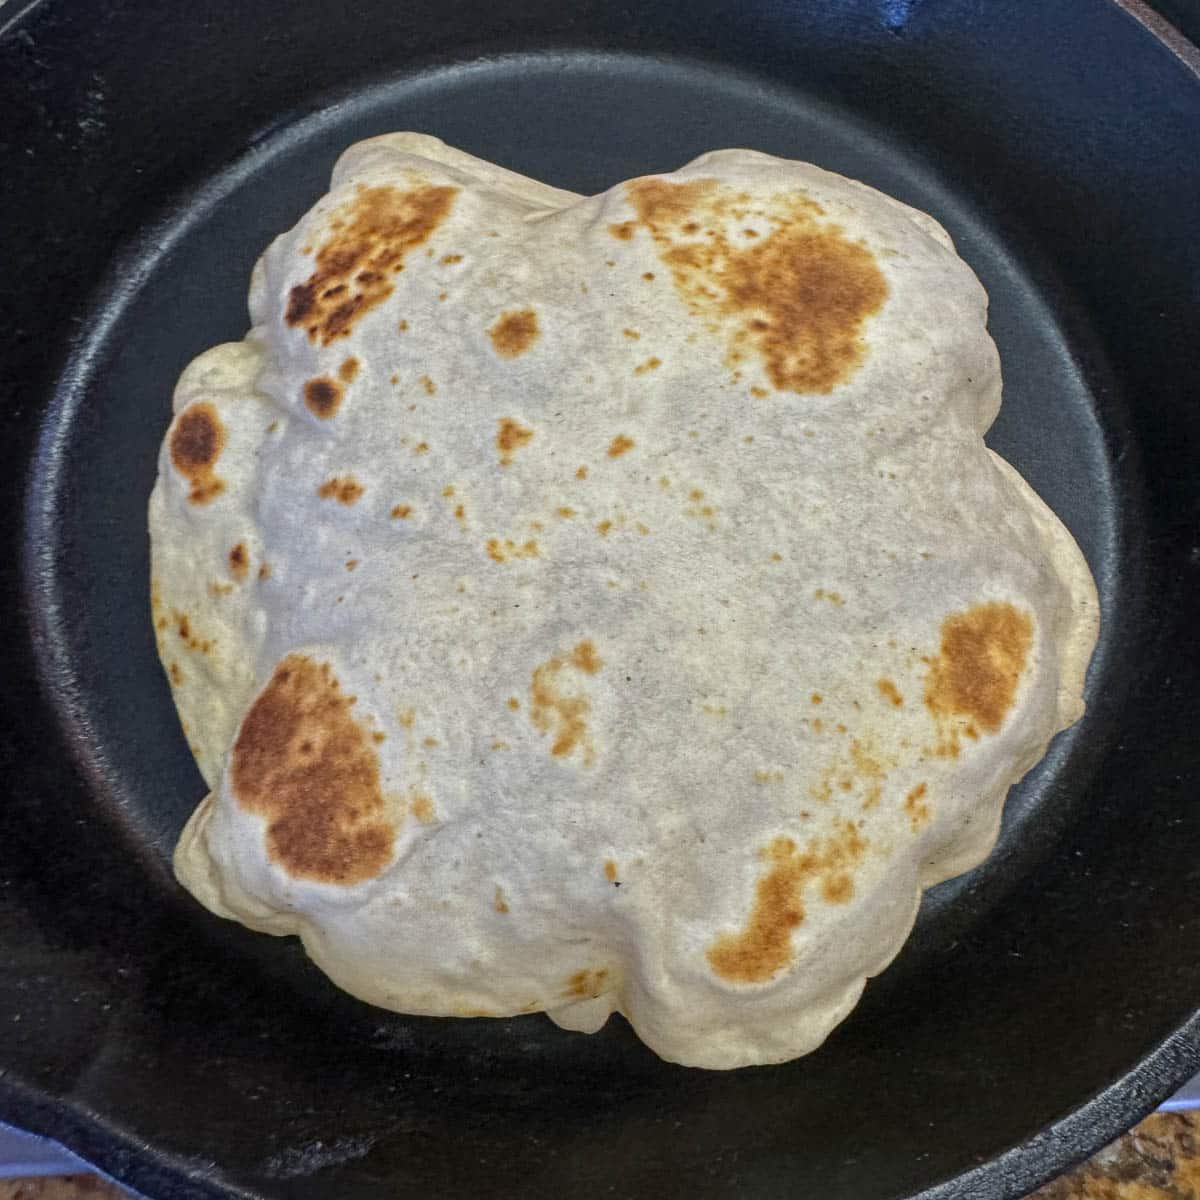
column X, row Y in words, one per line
column 1158, row 1160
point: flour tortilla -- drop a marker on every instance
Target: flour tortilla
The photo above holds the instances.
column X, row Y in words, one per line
column 605, row 604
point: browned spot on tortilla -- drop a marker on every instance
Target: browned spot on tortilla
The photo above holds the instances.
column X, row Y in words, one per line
column 239, row 560
column 864, row 766
column 303, row 762
column 449, row 259
column 196, row 443
column 499, row 903
column 323, row 397
column 175, row 673
column 587, row 985
column 622, row 230
column 187, row 635
column 421, row 807
column 502, row 549
column 264, row 571
column 603, row 527
column 763, row 947
column 890, row 692
column 869, row 770
column 511, row 435
column 610, row 870
column 800, row 295
column 554, row 710
column 351, row 564
column 370, row 236
column 651, row 364
column 513, row 703
column 421, row 448
column 584, row 657
column 915, row 806
column 621, row 444
column 815, row 698
column 581, row 473
column 514, row 332
column 973, row 679
column 348, row 370
column 837, row 889
column 632, row 334
column 834, row 598
column 401, row 511
column 428, row 384
column 344, row 489
column 647, row 275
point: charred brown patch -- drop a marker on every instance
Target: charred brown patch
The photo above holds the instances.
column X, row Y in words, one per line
column 370, row 237
column 514, row 332
column 188, row 635
column 917, row 807
column 196, row 443
column 511, row 435
column 799, row 296
column 972, row 682
column 345, row 489
column 303, row 763
column 556, row 711
column 239, row 560
column 323, row 397
column 422, row 807
column 763, row 947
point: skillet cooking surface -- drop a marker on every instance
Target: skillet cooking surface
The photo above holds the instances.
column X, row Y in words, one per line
column 1029, row 986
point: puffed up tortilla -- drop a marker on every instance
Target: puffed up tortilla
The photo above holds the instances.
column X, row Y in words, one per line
column 605, row 604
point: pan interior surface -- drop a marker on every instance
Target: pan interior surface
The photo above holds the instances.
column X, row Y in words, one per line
column 191, row 294
column 304, row 1091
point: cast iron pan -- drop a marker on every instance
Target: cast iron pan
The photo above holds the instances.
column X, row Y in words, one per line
column 149, row 151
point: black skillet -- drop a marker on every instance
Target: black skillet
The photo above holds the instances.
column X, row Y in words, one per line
column 149, row 150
